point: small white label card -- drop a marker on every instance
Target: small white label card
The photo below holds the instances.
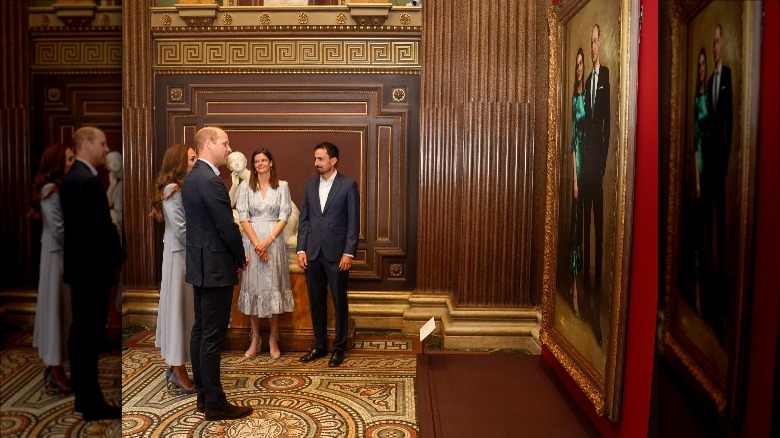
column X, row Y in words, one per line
column 427, row 329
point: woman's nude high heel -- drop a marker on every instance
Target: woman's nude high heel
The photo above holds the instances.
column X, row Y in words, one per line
column 273, row 343
column 252, row 352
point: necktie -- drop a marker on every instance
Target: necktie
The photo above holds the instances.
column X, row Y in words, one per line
column 593, row 91
column 716, row 85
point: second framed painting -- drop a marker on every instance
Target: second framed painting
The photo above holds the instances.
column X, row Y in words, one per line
column 589, row 192
column 714, row 94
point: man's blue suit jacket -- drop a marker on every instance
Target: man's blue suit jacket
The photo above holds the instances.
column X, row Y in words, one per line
column 214, row 247
column 334, row 230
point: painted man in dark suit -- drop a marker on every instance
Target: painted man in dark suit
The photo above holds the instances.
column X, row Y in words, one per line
column 215, row 255
column 719, row 108
column 327, row 242
column 92, row 258
column 594, row 162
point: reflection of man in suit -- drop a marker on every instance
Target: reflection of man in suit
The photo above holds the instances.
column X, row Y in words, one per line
column 594, row 161
column 92, row 258
column 215, row 254
column 719, row 101
column 327, row 242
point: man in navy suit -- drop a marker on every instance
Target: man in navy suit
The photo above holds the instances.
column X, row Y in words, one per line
column 715, row 166
column 594, row 162
column 215, row 255
column 92, row 258
column 327, row 242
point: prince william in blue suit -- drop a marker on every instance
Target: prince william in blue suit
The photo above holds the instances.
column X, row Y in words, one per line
column 215, row 255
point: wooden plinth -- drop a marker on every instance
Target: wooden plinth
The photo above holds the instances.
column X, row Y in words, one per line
column 295, row 329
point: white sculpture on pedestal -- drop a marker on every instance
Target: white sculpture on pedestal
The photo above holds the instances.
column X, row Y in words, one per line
column 291, row 239
column 238, row 172
column 114, row 192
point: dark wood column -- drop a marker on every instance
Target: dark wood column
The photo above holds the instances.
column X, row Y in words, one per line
column 15, row 179
column 137, row 142
column 477, row 154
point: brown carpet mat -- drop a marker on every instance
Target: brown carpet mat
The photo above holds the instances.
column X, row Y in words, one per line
column 494, row 395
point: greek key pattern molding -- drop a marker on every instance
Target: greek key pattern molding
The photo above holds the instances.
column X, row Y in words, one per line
column 77, row 53
column 288, row 53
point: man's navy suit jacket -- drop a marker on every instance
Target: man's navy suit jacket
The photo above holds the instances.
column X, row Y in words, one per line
column 214, row 248
column 334, row 230
column 597, row 126
column 92, row 251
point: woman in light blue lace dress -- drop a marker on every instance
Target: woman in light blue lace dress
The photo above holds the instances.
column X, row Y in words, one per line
column 264, row 205
column 52, row 310
column 176, row 311
column 577, row 137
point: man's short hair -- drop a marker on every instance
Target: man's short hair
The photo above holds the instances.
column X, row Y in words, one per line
column 330, row 149
column 719, row 28
column 205, row 133
column 85, row 133
column 598, row 28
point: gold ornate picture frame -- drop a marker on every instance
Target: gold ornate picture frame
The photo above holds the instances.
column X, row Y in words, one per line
column 591, row 131
column 711, row 169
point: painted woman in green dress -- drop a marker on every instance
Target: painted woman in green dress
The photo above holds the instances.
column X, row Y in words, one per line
column 699, row 145
column 577, row 136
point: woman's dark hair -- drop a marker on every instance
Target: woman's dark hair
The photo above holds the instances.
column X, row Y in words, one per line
column 576, row 80
column 699, row 82
column 173, row 170
column 254, row 183
column 51, row 170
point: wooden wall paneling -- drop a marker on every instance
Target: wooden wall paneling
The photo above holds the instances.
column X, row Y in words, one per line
column 139, row 156
column 15, row 178
column 442, row 77
column 496, row 190
column 477, row 155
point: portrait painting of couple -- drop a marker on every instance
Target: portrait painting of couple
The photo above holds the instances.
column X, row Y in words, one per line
column 588, row 179
column 714, row 99
column 709, row 183
column 590, row 172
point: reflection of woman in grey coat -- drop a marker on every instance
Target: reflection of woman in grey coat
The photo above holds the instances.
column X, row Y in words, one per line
column 176, row 313
column 52, row 311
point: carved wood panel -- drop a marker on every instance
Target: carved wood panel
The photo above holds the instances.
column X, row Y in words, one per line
column 373, row 119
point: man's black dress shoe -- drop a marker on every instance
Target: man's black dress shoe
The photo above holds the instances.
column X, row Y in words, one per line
column 315, row 353
column 336, row 358
column 103, row 411
column 200, row 403
column 227, row 412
